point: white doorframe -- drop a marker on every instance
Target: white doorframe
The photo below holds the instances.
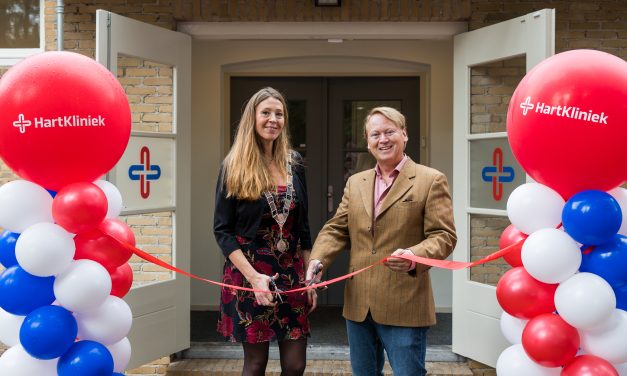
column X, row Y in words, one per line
column 215, row 61
column 476, row 313
column 161, row 311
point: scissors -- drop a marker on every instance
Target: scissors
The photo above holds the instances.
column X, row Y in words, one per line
column 313, row 280
column 276, row 290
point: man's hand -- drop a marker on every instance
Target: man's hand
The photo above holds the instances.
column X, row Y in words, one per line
column 314, row 275
column 398, row 264
column 314, row 271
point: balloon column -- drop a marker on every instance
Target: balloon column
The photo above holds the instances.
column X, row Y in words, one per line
column 65, row 121
column 564, row 301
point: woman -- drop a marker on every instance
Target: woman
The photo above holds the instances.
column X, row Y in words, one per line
column 260, row 223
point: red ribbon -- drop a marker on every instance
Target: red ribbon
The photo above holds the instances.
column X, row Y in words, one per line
column 457, row 265
column 444, row 264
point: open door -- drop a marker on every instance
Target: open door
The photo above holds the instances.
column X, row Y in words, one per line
column 489, row 64
column 154, row 67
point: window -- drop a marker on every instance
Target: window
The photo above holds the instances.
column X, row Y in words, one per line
column 21, row 30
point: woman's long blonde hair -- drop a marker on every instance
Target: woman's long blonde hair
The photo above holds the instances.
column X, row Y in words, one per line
column 245, row 173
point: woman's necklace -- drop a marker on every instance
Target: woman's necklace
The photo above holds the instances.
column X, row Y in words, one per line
column 282, row 244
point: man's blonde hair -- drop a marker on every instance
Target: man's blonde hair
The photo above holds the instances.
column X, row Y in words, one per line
column 390, row 113
column 245, row 173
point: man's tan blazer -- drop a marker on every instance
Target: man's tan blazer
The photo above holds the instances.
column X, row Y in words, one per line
column 416, row 214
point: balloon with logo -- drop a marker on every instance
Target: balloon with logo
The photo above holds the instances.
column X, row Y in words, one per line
column 566, row 122
column 64, row 119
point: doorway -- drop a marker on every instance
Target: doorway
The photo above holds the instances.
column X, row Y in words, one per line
column 326, row 117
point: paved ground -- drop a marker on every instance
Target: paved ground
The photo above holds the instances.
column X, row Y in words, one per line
column 233, row 367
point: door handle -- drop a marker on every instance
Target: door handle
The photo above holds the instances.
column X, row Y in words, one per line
column 330, row 198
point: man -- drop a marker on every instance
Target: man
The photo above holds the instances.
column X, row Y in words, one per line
column 399, row 207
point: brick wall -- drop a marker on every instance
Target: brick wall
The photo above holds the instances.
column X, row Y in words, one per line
column 79, row 29
column 492, row 85
column 304, row 10
column 599, row 25
column 149, row 87
column 485, row 232
column 153, row 234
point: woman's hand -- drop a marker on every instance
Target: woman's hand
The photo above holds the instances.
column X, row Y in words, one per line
column 312, row 300
column 262, row 282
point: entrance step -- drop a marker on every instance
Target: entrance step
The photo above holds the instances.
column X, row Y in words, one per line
column 233, row 367
column 225, row 350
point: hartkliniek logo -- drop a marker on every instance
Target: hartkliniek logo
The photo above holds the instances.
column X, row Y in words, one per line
column 58, row 122
column 570, row 112
column 144, row 172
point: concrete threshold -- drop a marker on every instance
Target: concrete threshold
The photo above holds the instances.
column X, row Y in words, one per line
column 225, row 350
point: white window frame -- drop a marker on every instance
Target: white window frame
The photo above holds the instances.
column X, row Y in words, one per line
column 11, row 56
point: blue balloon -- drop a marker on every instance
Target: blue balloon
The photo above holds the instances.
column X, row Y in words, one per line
column 48, row 332
column 621, row 297
column 592, row 217
column 52, row 193
column 21, row 292
column 7, row 248
column 86, row 358
column 117, row 374
column 608, row 261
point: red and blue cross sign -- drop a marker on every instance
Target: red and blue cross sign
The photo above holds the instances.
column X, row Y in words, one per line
column 497, row 174
column 144, row 172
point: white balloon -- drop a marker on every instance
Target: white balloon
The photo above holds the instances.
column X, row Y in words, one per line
column 44, row 249
column 608, row 342
column 114, row 198
column 16, row 362
column 22, row 204
column 121, row 352
column 533, row 206
column 550, row 255
column 585, row 300
column 107, row 324
column 512, row 328
column 84, row 285
column 10, row 325
column 513, row 361
column 620, row 194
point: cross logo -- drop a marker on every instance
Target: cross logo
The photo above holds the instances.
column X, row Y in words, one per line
column 21, row 123
column 144, row 172
column 526, row 106
column 497, row 174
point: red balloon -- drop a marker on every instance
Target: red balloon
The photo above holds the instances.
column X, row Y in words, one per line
column 566, row 122
column 97, row 246
column 121, row 280
column 522, row 296
column 64, row 119
column 589, row 365
column 511, row 235
column 549, row 340
column 79, row 207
